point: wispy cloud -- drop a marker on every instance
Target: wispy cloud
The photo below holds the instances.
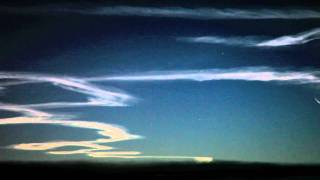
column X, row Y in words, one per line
column 264, row 74
column 256, row 41
column 172, row 12
column 230, row 41
column 110, row 133
column 317, row 100
column 300, row 38
column 97, row 96
column 30, row 114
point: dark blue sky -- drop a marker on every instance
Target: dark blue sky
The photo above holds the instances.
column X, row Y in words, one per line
column 207, row 83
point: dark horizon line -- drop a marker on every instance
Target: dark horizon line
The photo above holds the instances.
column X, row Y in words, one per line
column 138, row 162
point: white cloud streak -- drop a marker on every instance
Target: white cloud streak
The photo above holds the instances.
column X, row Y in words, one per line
column 172, row 12
column 30, row 114
column 256, row 41
column 317, row 100
column 264, row 74
column 93, row 148
column 300, row 38
column 230, row 41
column 96, row 96
column 110, row 133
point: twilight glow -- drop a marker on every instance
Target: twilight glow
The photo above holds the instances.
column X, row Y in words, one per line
column 123, row 81
column 93, row 148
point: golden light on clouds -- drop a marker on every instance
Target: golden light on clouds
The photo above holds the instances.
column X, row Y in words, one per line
column 96, row 148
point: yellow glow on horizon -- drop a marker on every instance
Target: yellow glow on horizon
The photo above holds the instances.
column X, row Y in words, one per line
column 93, row 148
column 111, row 134
column 96, row 148
column 203, row 159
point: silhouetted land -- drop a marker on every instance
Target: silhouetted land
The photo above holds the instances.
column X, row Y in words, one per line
column 216, row 170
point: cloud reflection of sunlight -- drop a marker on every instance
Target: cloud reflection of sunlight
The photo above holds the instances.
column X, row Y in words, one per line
column 97, row 97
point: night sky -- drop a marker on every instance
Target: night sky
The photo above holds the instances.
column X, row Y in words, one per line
column 160, row 81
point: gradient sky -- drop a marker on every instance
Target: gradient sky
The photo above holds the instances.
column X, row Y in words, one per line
column 155, row 81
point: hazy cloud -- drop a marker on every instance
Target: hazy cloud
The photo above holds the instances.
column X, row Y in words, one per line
column 230, row 41
column 30, row 114
column 96, row 95
column 317, row 100
column 256, row 41
column 172, row 12
column 300, row 38
column 264, row 74
column 110, row 133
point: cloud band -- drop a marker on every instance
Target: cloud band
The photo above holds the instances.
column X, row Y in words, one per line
column 96, row 97
column 171, row 12
column 256, row 41
column 31, row 113
column 264, row 74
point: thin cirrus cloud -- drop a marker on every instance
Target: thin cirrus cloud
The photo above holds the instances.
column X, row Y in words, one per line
column 256, row 41
column 96, row 96
column 317, row 100
column 264, row 74
column 31, row 114
column 110, row 133
column 300, row 38
column 171, row 12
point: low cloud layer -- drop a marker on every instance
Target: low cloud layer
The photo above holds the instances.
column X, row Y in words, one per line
column 172, row 12
column 256, row 41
